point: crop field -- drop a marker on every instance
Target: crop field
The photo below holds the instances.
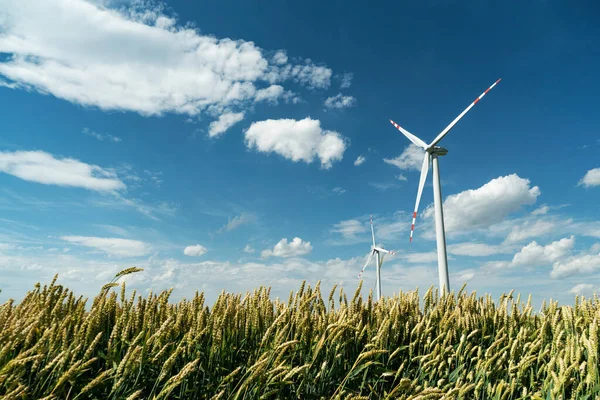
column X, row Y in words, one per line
column 310, row 346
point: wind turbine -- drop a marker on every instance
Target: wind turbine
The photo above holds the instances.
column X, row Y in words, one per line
column 432, row 152
column 378, row 259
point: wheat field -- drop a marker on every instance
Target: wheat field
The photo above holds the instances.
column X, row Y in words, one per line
column 460, row 346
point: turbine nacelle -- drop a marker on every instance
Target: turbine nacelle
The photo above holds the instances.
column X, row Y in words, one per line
column 437, row 150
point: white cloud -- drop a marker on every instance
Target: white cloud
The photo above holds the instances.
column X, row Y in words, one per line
column 410, row 159
column 248, row 249
column 309, row 74
column 42, row 167
column 135, row 59
column 533, row 254
column 383, row 185
column 591, row 178
column 401, row 177
column 280, row 58
column 349, row 228
column 359, row 161
column 464, row 276
column 113, row 246
column 339, row 101
column 296, row 247
column 237, row 221
column 531, row 228
column 194, row 251
column 580, row 264
column 101, row 137
column 346, row 80
column 543, row 210
column 270, row 94
column 471, row 249
column 487, row 205
column 301, row 140
column 429, row 257
column 224, row 122
column 582, row 289
column 339, row 190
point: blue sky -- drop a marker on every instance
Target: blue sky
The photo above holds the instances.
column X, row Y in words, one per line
column 198, row 140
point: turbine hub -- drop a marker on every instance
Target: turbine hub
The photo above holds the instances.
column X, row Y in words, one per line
column 439, row 151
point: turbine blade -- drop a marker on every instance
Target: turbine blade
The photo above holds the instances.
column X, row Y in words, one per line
column 367, row 263
column 372, row 231
column 447, row 129
column 424, row 171
column 410, row 136
column 379, row 249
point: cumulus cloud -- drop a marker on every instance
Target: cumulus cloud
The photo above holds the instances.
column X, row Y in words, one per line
column 296, row 247
column 42, row 167
column 401, row 177
column 489, row 204
column 101, row 137
column 224, row 122
column 359, row 161
column 591, row 178
column 112, row 246
column 410, row 159
column 580, row 264
column 339, row 190
column 533, row 254
column 248, row 249
column 302, row 140
column 194, row 251
column 280, row 58
column 270, row 94
column 339, row 101
column 135, row 59
column 582, row 289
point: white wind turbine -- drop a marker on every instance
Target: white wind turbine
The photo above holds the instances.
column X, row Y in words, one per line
column 432, row 152
column 378, row 259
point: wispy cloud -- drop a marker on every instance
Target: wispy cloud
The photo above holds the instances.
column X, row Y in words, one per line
column 410, row 159
column 339, row 101
column 360, row 160
column 345, row 79
column 237, row 221
column 225, row 121
column 102, row 137
column 44, row 168
column 112, row 246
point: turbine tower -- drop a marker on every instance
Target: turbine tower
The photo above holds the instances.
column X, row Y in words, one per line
column 432, row 153
column 378, row 259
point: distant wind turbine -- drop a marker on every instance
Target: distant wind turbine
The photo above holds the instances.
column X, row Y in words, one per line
column 378, row 259
column 432, row 152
